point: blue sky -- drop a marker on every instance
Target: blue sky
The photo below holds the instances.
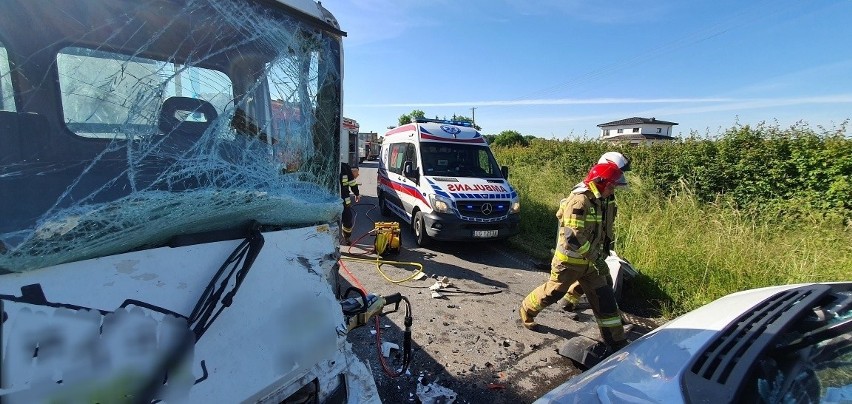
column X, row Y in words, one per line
column 558, row 68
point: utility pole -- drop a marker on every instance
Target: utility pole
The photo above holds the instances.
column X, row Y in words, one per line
column 473, row 115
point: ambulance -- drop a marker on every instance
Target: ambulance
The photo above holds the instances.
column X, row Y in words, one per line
column 441, row 178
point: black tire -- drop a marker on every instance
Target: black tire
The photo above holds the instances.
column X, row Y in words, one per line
column 383, row 206
column 419, row 227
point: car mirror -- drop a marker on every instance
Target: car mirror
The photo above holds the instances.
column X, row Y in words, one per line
column 409, row 172
column 505, row 171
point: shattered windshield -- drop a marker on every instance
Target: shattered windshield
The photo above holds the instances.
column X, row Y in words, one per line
column 459, row 160
column 813, row 362
column 128, row 123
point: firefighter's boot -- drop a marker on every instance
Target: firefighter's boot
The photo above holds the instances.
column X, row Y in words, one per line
column 530, row 307
column 527, row 319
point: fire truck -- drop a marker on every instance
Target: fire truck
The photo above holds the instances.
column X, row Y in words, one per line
column 369, row 146
column 350, row 140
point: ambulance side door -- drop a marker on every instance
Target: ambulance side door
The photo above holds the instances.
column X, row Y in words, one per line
column 393, row 187
column 410, row 198
column 404, row 188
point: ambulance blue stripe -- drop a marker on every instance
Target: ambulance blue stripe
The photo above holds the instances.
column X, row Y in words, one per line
column 442, row 193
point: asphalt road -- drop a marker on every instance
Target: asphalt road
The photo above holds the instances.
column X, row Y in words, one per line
column 469, row 342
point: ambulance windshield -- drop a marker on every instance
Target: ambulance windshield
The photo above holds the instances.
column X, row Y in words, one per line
column 459, row 160
column 132, row 122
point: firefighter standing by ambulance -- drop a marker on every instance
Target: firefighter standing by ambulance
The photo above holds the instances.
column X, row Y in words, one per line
column 572, row 298
column 579, row 255
column 347, row 182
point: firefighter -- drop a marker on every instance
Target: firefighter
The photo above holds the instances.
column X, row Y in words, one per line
column 579, row 255
column 347, row 182
column 572, row 298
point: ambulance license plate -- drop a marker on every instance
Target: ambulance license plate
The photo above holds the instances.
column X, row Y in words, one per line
column 484, row 233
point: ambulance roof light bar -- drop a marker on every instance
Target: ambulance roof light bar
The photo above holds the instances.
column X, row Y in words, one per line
column 445, row 121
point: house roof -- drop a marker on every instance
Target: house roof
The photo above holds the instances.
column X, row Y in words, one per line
column 635, row 121
column 638, row 136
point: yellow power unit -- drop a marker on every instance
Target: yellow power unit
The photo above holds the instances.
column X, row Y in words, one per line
column 388, row 239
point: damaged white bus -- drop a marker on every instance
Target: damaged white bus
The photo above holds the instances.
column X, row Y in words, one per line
column 169, row 202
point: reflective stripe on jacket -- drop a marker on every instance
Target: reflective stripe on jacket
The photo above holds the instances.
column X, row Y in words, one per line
column 581, row 226
column 347, row 181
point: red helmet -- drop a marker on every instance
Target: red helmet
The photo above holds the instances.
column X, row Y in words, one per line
column 603, row 174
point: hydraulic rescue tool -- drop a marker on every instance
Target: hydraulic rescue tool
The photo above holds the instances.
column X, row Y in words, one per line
column 359, row 309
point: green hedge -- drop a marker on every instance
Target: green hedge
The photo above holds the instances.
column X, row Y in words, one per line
column 705, row 217
column 762, row 168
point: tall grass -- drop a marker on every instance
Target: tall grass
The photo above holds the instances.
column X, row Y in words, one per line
column 689, row 251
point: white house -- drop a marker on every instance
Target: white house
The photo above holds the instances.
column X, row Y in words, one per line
column 637, row 131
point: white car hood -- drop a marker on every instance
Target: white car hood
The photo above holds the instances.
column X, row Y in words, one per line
column 652, row 367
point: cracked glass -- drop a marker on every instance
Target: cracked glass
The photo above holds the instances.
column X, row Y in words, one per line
column 126, row 124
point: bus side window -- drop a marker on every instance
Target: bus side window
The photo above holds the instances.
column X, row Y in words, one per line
column 7, row 94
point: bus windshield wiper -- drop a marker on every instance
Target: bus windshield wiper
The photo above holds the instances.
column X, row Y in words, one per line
column 215, row 298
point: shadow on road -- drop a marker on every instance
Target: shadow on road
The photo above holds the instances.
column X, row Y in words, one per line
column 479, row 384
column 470, row 344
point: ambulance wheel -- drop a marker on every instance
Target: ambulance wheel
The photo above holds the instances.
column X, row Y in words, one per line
column 420, row 234
column 383, row 206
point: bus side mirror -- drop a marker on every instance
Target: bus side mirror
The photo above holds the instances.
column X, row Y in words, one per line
column 408, row 171
column 505, row 171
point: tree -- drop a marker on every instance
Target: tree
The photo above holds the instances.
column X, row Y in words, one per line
column 418, row 114
column 462, row 118
column 409, row 118
column 508, row 138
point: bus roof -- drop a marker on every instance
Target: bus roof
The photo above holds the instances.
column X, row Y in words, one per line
column 313, row 9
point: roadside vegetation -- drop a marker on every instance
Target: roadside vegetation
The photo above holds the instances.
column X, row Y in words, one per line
column 706, row 216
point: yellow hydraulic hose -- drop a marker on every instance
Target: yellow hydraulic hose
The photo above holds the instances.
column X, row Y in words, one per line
column 380, row 262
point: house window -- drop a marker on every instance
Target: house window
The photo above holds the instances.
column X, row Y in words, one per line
column 635, row 130
column 621, row 131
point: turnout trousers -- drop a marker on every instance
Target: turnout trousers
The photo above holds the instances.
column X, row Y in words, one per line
column 599, row 293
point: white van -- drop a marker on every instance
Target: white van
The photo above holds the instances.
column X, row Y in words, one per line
column 441, row 177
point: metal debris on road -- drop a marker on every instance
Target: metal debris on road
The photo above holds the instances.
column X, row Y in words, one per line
column 434, row 393
column 387, row 347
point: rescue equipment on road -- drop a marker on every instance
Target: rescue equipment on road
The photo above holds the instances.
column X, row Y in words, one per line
column 388, row 238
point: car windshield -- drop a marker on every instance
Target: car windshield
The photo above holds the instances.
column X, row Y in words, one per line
column 812, row 362
column 133, row 122
column 459, row 160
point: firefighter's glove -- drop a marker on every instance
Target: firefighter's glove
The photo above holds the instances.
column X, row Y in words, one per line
column 600, row 265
